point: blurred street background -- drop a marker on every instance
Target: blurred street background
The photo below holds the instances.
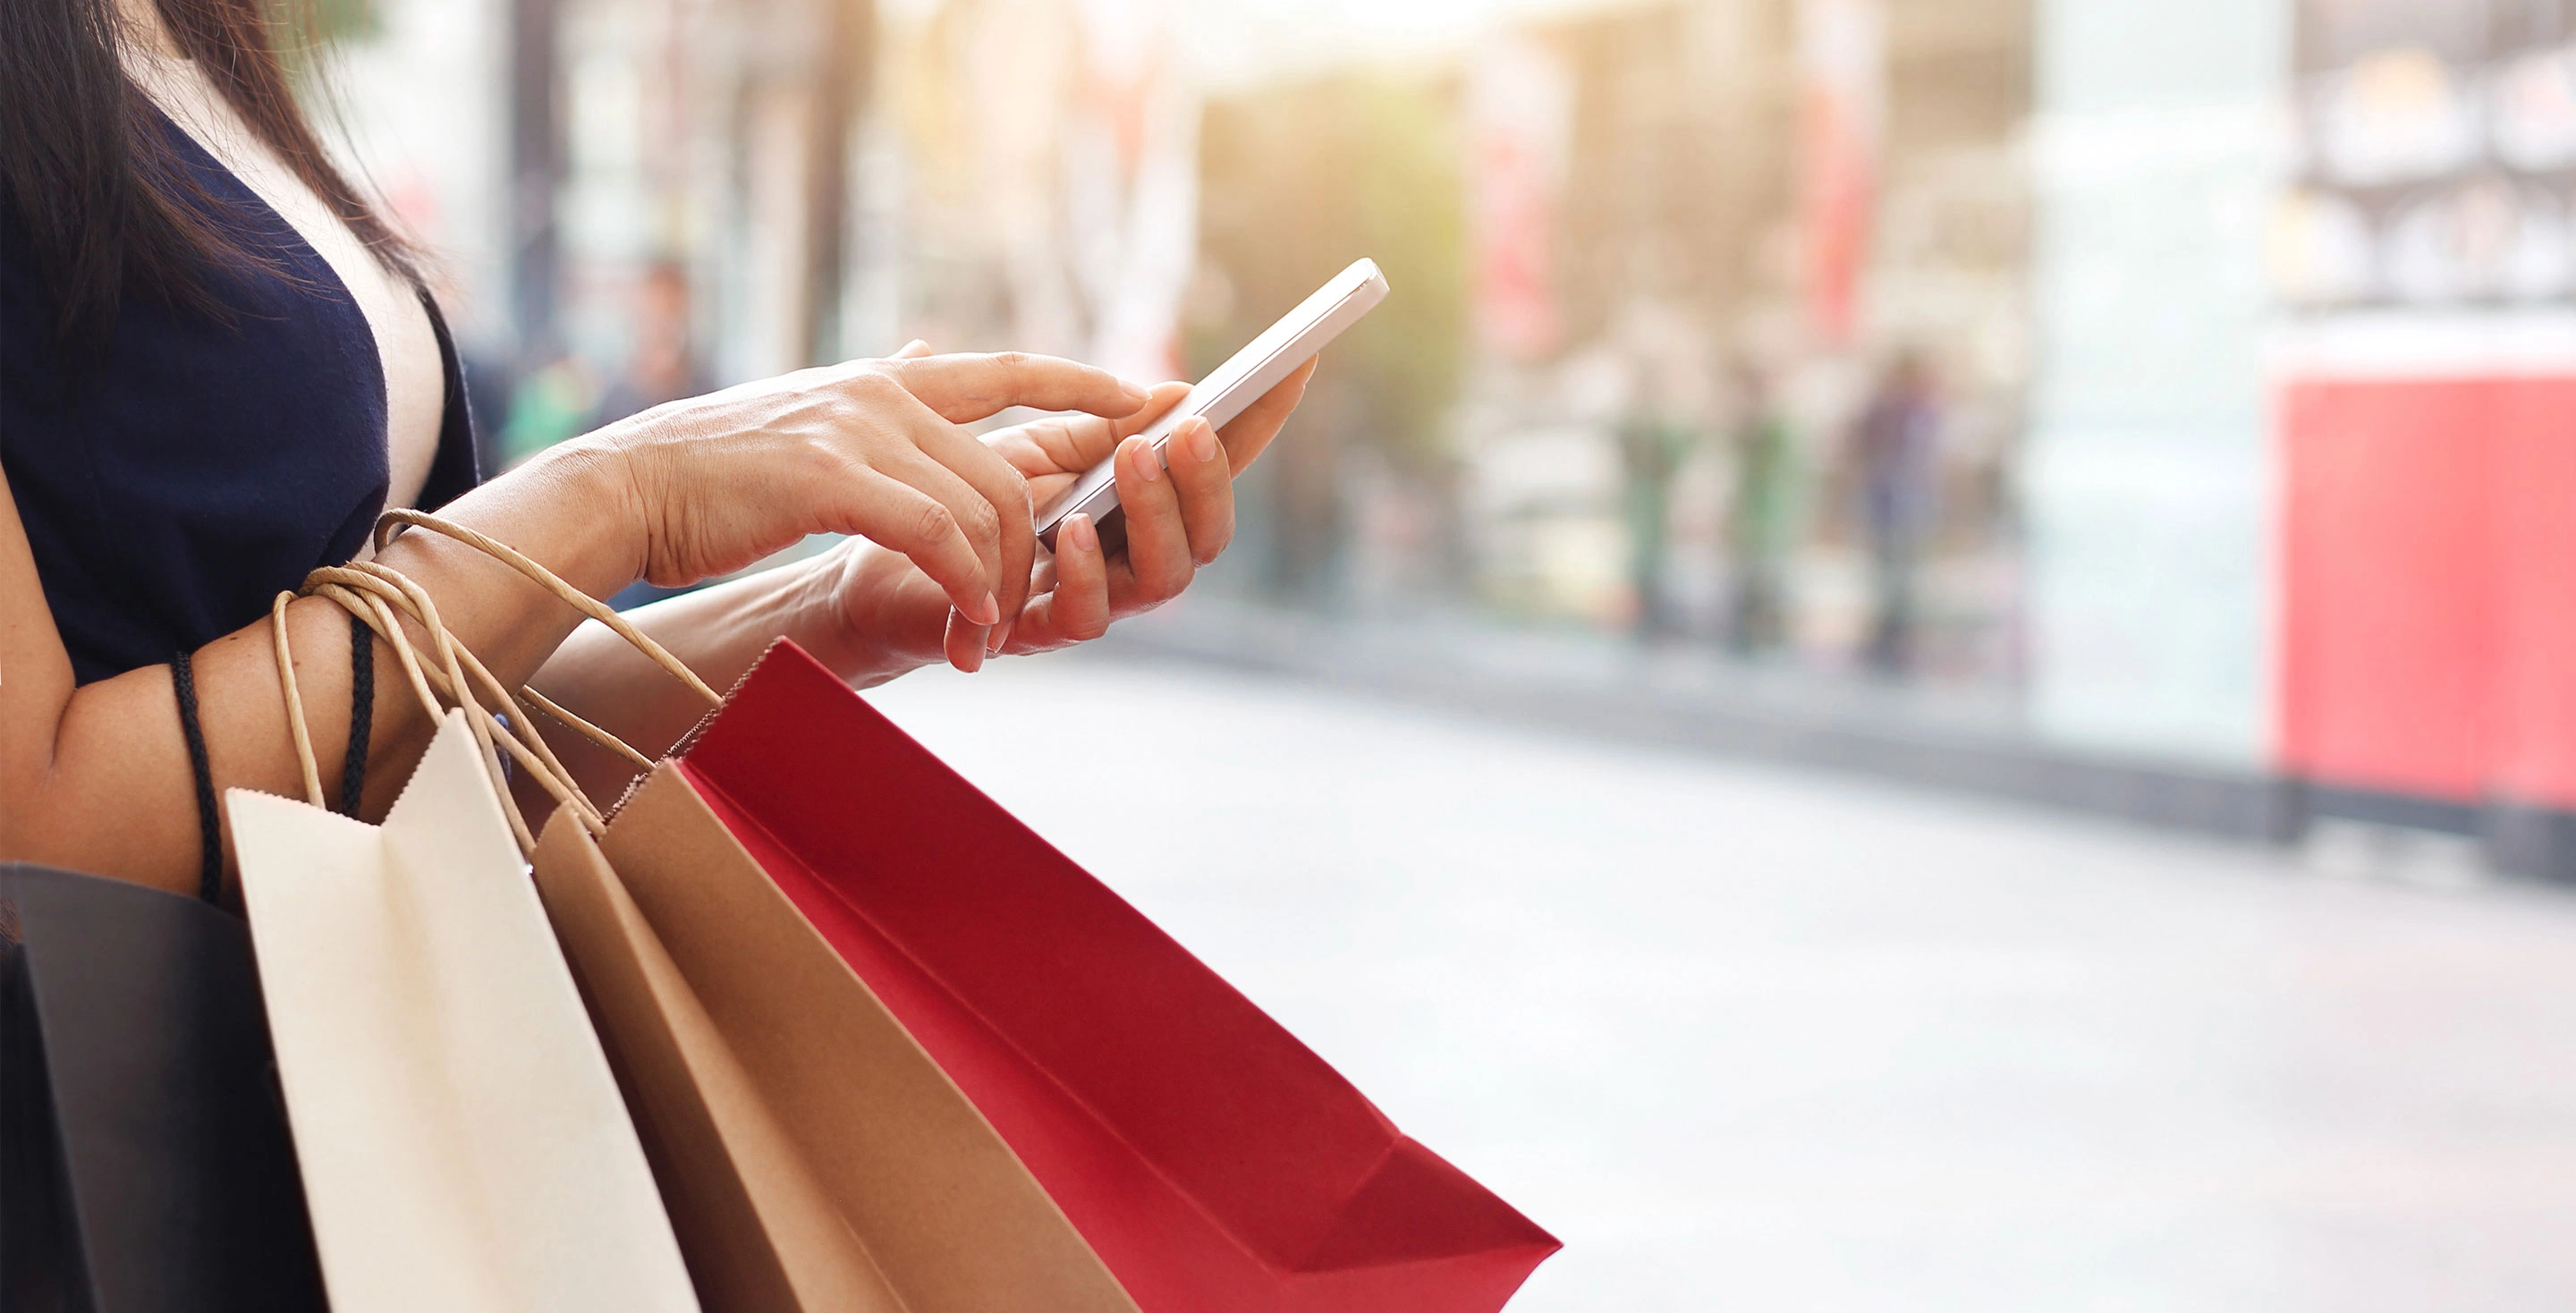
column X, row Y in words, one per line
column 2168, row 410
column 1978, row 596
column 1754, row 1039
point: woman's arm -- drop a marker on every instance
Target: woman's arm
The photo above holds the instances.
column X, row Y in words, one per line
column 96, row 778
column 870, row 614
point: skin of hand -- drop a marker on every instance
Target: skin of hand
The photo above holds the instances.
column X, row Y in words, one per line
column 870, row 614
column 872, row 448
column 1178, row 519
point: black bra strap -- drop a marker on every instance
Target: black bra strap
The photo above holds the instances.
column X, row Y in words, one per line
column 210, row 870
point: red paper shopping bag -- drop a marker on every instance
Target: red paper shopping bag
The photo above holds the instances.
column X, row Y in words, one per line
column 1215, row 1164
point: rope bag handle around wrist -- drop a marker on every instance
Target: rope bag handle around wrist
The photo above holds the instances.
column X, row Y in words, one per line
column 383, row 598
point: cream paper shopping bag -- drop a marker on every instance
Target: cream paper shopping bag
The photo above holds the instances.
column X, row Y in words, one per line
column 461, row 1139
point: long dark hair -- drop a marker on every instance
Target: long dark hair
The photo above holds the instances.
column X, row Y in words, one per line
column 96, row 190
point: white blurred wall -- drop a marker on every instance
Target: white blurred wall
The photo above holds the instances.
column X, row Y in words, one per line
column 425, row 106
column 2149, row 478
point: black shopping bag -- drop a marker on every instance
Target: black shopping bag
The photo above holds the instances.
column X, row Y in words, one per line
column 144, row 1158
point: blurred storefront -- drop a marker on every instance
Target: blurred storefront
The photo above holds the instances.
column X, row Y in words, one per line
column 1035, row 177
column 2303, row 472
column 637, row 199
column 2425, row 378
column 2199, row 379
column 1695, row 238
column 1748, row 215
column 2240, row 427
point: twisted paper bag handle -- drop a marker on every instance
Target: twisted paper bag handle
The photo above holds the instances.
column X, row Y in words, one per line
column 375, row 592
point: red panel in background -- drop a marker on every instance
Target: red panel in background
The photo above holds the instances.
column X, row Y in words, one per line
column 2429, row 571
column 2386, row 622
column 2533, row 760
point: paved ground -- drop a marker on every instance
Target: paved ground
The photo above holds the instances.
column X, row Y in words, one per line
column 1750, row 1039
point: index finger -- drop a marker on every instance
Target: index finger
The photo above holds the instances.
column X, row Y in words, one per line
column 966, row 388
column 1070, row 444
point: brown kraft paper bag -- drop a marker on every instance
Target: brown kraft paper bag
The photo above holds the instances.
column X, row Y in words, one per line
column 810, row 1154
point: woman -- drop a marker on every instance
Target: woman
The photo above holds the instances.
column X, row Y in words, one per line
column 216, row 369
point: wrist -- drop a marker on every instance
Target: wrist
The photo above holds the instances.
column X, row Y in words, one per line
column 596, row 477
column 569, row 510
column 849, row 621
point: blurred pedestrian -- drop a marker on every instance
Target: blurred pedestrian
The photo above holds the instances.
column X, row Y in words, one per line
column 1896, row 445
column 1652, row 446
column 663, row 367
column 1760, row 519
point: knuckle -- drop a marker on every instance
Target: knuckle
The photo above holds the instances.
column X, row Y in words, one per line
column 831, row 418
column 820, row 457
column 933, row 523
column 1014, row 509
column 1015, row 491
column 875, row 386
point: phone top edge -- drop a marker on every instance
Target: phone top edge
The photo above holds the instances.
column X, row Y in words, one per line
column 1226, row 397
column 1233, row 386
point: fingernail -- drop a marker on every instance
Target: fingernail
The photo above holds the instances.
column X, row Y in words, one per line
column 1136, row 393
column 1201, row 440
column 1148, row 467
column 1001, row 636
column 986, row 612
column 1084, row 536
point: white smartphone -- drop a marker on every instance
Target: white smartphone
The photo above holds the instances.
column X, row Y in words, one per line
column 1231, row 387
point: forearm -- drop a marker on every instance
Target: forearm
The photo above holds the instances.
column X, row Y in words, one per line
column 98, row 779
column 101, row 782
column 719, row 632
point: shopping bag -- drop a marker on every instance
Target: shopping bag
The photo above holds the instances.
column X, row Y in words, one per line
column 811, row 1155
column 1211, row 1160
column 144, row 1160
column 461, row 1140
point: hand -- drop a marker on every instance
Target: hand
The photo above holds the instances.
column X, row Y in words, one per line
column 870, row 448
column 1177, row 520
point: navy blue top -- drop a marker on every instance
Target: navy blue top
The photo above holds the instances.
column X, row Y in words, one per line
column 176, row 478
